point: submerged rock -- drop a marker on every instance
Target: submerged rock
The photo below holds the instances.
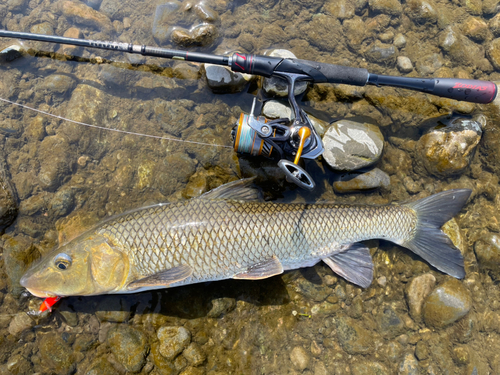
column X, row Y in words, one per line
column 409, row 366
column 487, row 250
column 353, row 338
column 300, row 358
column 446, row 304
column 8, row 197
column 20, row 323
column 352, row 182
column 447, row 149
column 351, row 145
column 55, row 354
column 368, row 368
column 173, row 340
column 130, row 347
column 221, row 79
column 418, row 289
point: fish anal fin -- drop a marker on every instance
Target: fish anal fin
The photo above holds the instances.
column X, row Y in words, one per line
column 269, row 267
column 354, row 264
column 163, row 278
column 239, row 190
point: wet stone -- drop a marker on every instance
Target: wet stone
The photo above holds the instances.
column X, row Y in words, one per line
column 352, row 145
column 130, row 347
column 476, row 29
column 487, row 249
column 101, row 366
column 368, row 368
column 353, row 338
column 221, row 306
column 173, row 340
column 113, row 309
column 300, row 358
column 174, row 116
column 200, row 35
column 421, row 11
column 493, row 53
column 422, row 351
column 312, row 291
column 380, row 52
column 221, row 79
column 42, row 28
column 341, row 9
column 446, row 304
column 55, row 354
column 391, row 7
column 8, row 197
column 162, row 28
column 404, row 64
column 20, row 323
column 409, row 366
column 275, row 86
column 389, row 322
column 62, row 203
column 352, row 182
column 10, row 53
column 85, row 15
column 418, row 289
column 447, row 149
column 58, row 83
column 494, row 25
column 399, row 41
column 194, row 354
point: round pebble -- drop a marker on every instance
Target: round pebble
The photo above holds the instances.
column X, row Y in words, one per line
column 173, row 340
column 419, row 288
column 300, row 358
column 130, row 346
column 487, row 249
column 446, row 304
column 404, row 64
column 362, row 181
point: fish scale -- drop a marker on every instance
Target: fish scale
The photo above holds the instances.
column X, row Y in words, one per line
column 219, row 239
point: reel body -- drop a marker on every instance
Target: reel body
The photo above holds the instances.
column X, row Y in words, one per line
column 292, row 139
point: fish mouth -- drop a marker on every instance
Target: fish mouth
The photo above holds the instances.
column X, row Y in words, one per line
column 40, row 293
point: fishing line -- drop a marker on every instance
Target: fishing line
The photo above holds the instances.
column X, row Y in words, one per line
column 111, row 129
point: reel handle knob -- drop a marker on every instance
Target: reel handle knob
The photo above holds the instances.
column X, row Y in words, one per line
column 296, row 174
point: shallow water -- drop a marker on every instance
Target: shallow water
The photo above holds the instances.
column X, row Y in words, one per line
column 69, row 177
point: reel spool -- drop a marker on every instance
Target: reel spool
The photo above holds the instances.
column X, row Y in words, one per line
column 246, row 139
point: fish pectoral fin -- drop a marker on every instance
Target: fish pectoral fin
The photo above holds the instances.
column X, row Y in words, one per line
column 354, row 264
column 269, row 267
column 163, row 278
column 239, row 190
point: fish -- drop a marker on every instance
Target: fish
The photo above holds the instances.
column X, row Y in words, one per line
column 228, row 233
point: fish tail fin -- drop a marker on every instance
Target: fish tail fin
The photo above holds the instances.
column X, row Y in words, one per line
column 429, row 241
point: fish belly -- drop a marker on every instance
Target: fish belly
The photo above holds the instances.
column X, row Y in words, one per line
column 219, row 239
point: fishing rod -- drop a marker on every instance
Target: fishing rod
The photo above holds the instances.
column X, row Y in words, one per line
column 294, row 138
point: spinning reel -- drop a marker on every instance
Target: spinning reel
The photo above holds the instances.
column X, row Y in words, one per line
column 292, row 139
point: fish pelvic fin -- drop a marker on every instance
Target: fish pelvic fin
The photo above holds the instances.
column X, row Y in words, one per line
column 429, row 241
column 262, row 270
column 354, row 264
column 164, row 278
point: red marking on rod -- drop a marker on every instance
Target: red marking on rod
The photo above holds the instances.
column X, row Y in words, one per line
column 187, row 55
column 243, row 57
column 235, row 63
column 48, row 303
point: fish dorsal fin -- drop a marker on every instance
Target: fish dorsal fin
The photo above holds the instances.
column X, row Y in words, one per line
column 239, row 190
column 354, row 264
column 267, row 268
column 163, row 278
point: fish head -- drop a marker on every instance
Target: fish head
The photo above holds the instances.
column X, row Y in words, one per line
column 88, row 265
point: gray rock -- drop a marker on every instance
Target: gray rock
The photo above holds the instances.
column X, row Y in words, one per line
column 58, row 83
column 313, row 291
column 130, row 347
column 300, row 358
column 421, row 11
column 16, row 5
column 391, row 7
column 409, row 366
column 353, row 338
column 221, row 79
column 42, row 28
column 10, row 53
column 221, row 306
column 352, row 145
column 94, row 4
column 174, row 116
column 461, row 49
column 352, row 182
column 20, row 323
column 446, row 304
column 173, row 340
column 62, row 203
column 447, row 149
column 399, row 41
column 404, row 64
column 54, row 163
column 418, row 289
column 389, row 322
column 381, row 52
column 194, row 354
column 487, row 249
column 276, row 86
column 162, row 28
column 368, row 368
column 274, row 109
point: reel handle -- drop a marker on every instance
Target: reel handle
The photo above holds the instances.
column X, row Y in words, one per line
column 296, row 174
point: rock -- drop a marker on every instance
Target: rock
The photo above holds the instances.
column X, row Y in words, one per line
column 421, row 11
column 101, row 366
column 461, row 355
column 494, row 25
column 274, row 109
column 55, row 354
column 221, row 79
column 418, row 289
column 57, row 83
column 300, row 358
column 422, row 351
column 18, row 254
column 55, row 164
column 409, row 366
column 86, row 16
column 389, row 322
column 493, row 53
column 130, row 347
column 353, row 182
column 162, row 28
column 399, row 41
column 194, row 354
column 16, row 5
column 476, row 29
column 460, row 48
column 200, row 35
column 447, row 149
column 276, row 86
column 10, row 53
column 173, row 340
column 114, row 309
column 313, row 291
column 8, row 197
column 352, row 145
column 70, row 50
column 487, row 249
column 62, row 203
column 20, row 323
column 342, row 9
column 446, row 304
column 353, row 338
column 117, row 10
column 221, row 306
column 381, row 53
column 390, row 7
column 368, row 368
column 174, row 116
column 404, row 64
column 44, row 28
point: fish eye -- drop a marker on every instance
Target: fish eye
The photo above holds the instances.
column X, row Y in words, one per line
column 62, row 261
